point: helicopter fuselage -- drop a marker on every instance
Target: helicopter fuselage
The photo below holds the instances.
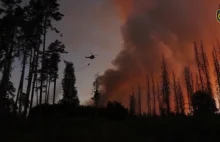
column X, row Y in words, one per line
column 91, row 57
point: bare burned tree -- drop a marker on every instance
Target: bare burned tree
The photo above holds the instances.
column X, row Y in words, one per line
column 148, row 96
column 199, row 65
column 192, row 82
column 189, row 85
column 139, row 100
column 158, row 97
column 180, row 98
column 217, row 71
column 132, row 105
column 165, row 88
column 197, row 87
column 175, row 94
column 154, row 96
column 205, row 68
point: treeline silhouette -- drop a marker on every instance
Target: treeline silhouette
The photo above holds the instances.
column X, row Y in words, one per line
column 113, row 111
column 199, row 98
column 23, row 35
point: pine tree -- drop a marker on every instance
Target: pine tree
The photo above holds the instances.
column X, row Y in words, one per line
column 192, row 82
column 139, row 100
column 176, row 94
column 27, row 44
column 50, row 10
column 132, row 105
column 180, row 98
column 68, row 84
column 158, row 97
column 165, row 88
column 199, row 66
column 12, row 17
column 54, row 50
column 35, row 74
column 36, row 27
column 96, row 91
column 217, row 71
column 205, row 68
column 9, row 101
column 154, row 96
column 148, row 96
column 189, row 85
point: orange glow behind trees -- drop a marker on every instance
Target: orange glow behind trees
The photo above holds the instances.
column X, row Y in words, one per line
column 154, row 28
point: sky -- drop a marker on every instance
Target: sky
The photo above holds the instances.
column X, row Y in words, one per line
column 130, row 35
column 153, row 29
column 89, row 26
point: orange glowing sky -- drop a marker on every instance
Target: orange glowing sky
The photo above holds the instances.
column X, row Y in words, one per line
column 156, row 27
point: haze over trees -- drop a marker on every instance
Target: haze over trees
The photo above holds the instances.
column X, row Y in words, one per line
column 23, row 36
column 170, row 94
column 183, row 104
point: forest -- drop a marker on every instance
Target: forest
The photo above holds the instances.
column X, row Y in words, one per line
column 28, row 114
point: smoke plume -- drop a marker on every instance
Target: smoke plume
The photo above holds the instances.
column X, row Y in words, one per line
column 152, row 28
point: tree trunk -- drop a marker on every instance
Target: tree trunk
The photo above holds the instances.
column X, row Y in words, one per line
column 54, row 90
column 148, row 96
column 37, row 96
column 6, row 77
column 139, row 100
column 154, row 95
column 206, row 70
column 199, row 66
column 158, row 96
column 23, row 72
column 47, row 83
column 35, row 77
column 42, row 64
column 217, row 71
column 175, row 94
column 20, row 108
column 48, row 91
column 30, row 76
column 17, row 96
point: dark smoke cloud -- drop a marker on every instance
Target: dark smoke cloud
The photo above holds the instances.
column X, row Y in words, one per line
column 153, row 28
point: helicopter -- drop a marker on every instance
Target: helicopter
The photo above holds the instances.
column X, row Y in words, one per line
column 91, row 56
